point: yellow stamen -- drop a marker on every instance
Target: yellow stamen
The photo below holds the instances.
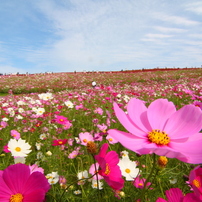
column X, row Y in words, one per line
column 127, row 170
column 107, row 170
column 17, row 149
column 16, row 198
column 84, row 140
column 60, row 142
column 196, row 183
column 158, row 137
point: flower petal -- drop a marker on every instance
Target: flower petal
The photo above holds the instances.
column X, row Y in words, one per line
column 158, row 112
column 15, row 176
column 37, row 180
column 191, row 149
column 174, row 195
column 184, row 123
column 137, row 112
column 36, row 195
column 126, row 121
column 130, row 141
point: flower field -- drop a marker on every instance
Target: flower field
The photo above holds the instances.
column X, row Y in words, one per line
column 135, row 136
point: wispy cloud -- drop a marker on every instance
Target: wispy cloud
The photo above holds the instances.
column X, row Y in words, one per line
column 178, row 20
column 195, row 7
column 50, row 35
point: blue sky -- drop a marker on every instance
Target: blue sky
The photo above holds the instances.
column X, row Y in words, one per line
column 104, row 35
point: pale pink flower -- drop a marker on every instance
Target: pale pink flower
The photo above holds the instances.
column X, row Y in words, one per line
column 15, row 134
column 160, row 129
column 98, row 111
column 85, row 138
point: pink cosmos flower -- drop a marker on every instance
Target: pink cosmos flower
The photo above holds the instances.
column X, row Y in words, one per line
column 73, row 154
column 98, row 111
column 5, row 149
column 61, row 120
column 85, row 138
column 139, row 182
column 176, row 195
column 92, row 171
column 195, row 180
column 59, row 142
column 67, row 125
column 198, row 104
column 35, row 167
column 111, row 139
column 17, row 183
column 15, row 134
column 3, row 124
column 160, row 129
column 110, row 171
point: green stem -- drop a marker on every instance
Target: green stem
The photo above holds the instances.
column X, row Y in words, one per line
column 96, row 178
column 71, row 185
column 148, row 178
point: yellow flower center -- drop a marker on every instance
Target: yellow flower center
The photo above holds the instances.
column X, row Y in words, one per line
column 158, row 137
column 16, row 198
column 61, row 120
column 140, row 184
column 110, row 139
column 17, row 149
column 127, row 170
column 60, row 142
column 196, row 183
column 84, row 140
column 107, row 170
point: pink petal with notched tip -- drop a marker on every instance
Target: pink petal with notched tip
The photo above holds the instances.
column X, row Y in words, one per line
column 184, row 123
column 36, row 181
column 127, row 122
column 15, row 176
column 159, row 111
column 137, row 113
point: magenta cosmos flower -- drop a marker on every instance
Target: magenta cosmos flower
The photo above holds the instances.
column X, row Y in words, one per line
column 176, row 195
column 195, row 180
column 18, row 184
column 109, row 169
column 160, row 129
column 59, row 142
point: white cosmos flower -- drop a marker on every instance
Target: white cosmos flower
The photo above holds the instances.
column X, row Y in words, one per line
column 19, row 147
column 45, row 96
column 53, row 177
column 40, row 111
column 82, row 175
column 128, row 169
column 69, row 104
column 97, row 184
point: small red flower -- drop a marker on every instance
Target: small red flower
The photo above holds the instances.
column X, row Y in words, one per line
column 59, row 142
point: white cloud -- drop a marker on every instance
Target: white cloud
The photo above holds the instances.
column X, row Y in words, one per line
column 91, row 35
column 195, row 7
column 173, row 19
column 169, row 29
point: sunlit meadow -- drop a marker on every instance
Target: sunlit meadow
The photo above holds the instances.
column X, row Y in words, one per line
column 57, row 124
